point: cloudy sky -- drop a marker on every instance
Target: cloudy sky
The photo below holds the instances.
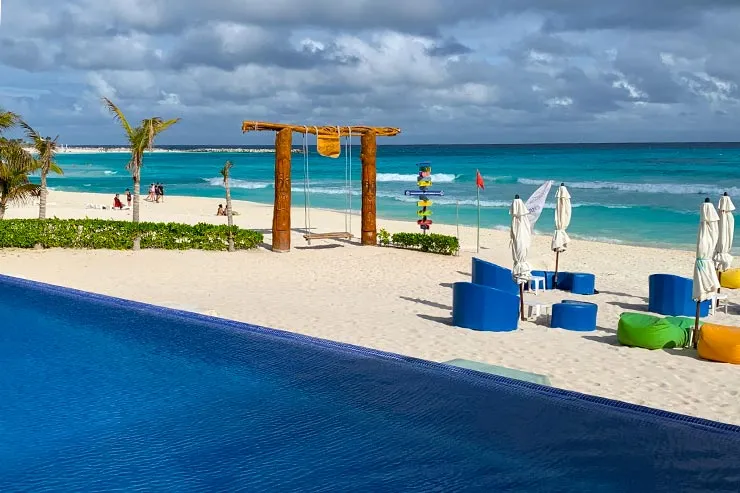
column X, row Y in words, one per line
column 445, row 71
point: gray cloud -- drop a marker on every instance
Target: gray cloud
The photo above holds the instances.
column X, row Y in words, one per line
column 525, row 70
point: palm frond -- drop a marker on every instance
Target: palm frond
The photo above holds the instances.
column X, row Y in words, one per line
column 8, row 119
column 23, row 193
column 30, row 132
column 118, row 116
column 54, row 168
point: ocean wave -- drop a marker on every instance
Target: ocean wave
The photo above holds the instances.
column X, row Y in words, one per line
column 397, row 177
column 666, row 188
column 249, row 185
column 109, row 172
column 499, row 179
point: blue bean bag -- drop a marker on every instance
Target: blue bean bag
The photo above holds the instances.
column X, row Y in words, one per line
column 482, row 308
column 672, row 295
column 493, row 276
column 582, row 283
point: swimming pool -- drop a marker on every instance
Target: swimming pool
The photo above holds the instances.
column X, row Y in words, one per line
column 100, row 394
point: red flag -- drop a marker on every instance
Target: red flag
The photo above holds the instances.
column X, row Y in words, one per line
column 479, row 180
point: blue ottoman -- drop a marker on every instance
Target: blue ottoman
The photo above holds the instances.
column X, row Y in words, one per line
column 582, row 283
column 565, row 281
column 493, row 276
column 574, row 315
column 482, row 308
column 672, row 295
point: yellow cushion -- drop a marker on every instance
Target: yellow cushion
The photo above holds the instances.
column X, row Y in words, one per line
column 731, row 279
column 719, row 343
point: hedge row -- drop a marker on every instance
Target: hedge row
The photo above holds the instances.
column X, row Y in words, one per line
column 119, row 235
column 433, row 243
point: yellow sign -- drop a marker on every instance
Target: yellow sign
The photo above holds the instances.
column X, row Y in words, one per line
column 424, row 203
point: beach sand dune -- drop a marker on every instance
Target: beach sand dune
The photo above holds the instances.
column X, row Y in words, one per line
column 399, row 301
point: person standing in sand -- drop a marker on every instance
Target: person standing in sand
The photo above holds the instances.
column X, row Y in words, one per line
column 150, row 197
column 129, row 197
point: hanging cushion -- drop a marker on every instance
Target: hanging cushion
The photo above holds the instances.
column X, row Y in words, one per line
column 651, row 332
column 328, row 145
column 730, row 279
column 719, row 343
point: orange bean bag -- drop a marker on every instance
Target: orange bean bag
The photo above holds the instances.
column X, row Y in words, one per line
column 719, row 343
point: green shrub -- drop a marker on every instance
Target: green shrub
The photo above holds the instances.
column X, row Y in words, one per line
column 119, row 235
column 433, row 243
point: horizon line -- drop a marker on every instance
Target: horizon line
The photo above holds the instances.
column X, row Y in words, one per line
column 444, row 144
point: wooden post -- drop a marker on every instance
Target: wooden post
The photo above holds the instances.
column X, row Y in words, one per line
column 369, row 172
column 521, row 302
column 281, row 207
column 695, row 333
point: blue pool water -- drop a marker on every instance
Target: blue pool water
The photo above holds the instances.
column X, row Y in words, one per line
column 636, row 193
column 104, row 395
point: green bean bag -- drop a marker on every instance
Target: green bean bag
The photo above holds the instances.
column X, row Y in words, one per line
column 651, row 332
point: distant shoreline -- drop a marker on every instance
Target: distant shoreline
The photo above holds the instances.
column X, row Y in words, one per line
column 126, row 150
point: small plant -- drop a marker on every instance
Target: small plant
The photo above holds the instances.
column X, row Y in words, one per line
column 117, row 235
column 432, row 243
column 384, row 237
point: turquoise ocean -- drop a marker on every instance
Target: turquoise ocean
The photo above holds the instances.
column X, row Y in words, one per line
column 646, row 194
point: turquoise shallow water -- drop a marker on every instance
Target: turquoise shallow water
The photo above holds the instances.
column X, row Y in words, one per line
column 635, row 193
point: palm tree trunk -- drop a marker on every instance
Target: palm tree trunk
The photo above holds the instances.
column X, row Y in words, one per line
column 229, row 215
column 42, row 196
column 3, row 207
column 137, row 195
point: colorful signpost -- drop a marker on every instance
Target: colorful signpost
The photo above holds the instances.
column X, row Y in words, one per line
column 424, row 181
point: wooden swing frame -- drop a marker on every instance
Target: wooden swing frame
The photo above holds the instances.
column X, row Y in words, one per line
column 283, row 155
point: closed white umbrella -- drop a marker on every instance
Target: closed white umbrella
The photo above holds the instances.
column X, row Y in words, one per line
column 561, row 239
column 521, row 239
column 722, row 257
column 705, row 277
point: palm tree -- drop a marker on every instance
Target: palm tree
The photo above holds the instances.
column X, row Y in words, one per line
column 7, row 120
column 225, row 173
column 140, row 139
column 45, row 163
column 15, row 166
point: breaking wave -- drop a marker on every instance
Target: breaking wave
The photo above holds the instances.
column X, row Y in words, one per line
column 666, row 188
column 249, row 185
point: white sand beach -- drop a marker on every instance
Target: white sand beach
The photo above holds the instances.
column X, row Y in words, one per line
column 397, row 300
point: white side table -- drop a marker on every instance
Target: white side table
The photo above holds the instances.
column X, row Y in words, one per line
column 536, row 283
column 536, row 309
column 719, row 300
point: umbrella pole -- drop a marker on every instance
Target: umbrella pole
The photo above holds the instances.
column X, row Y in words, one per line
column 695, row 335
column 521, row 301
column 555, row 277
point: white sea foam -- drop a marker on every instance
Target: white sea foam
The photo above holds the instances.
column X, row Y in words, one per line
column 249, row 185
column 397, row 177
column 666, row 188
column 109, row 172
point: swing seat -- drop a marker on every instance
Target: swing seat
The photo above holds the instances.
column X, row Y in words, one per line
column 328, row 236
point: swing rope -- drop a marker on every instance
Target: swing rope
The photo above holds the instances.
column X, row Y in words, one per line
column 307, row 190
column 306, row 185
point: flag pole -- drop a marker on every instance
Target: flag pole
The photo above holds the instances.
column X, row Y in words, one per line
column 477, row 192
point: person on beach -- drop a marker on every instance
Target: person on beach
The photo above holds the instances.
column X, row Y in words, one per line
column 129, row 197
column 117, row 204
column 150, row 197
column 221, row 211
column 160, row 192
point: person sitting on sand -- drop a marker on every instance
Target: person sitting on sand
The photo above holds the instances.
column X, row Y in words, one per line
column 221, row 211
column 117, row 204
